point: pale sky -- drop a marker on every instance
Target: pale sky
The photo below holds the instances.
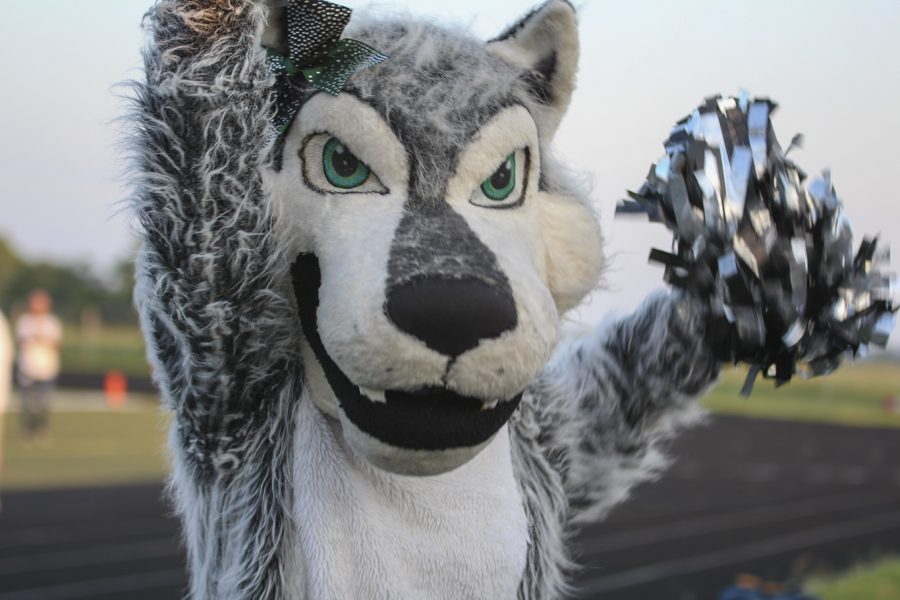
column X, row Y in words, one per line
column 834, row 66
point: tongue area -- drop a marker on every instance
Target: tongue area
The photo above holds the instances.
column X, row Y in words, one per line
column 428, row 419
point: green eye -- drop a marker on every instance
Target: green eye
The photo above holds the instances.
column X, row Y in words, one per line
column 501, row 184
column 342, row 168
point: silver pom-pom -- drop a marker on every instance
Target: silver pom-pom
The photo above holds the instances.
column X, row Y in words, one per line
column 773, row 255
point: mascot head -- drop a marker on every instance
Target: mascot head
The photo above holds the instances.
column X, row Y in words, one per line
column 436, row 241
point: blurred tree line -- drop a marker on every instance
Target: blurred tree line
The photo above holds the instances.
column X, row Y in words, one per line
column 78, row 293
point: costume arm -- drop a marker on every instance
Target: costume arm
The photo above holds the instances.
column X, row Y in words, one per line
column 607, row 401
column 219, row 325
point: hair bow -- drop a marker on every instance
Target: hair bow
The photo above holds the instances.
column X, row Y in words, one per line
column 317, row 56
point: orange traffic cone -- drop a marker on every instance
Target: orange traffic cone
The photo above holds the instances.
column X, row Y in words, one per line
column 115, row 386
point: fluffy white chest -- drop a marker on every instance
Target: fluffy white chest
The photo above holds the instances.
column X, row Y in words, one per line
column 362, row 533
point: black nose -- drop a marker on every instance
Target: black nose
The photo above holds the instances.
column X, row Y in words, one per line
column 451, row 315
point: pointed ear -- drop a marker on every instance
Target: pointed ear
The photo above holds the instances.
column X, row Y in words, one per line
column 545, row 44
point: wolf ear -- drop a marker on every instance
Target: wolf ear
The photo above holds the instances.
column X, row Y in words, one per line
column 545, row 44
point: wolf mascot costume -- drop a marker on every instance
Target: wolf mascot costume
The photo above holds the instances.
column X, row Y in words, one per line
column 355, row 318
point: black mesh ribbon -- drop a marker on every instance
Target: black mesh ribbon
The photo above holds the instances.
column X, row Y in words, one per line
column 317, row 56
column 773, row 255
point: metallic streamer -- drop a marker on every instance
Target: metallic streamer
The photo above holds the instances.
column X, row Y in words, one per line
column 773, row 255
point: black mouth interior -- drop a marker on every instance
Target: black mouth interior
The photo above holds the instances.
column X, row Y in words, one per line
column 426, row 419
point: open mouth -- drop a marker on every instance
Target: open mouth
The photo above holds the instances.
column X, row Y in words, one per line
column 429, row 418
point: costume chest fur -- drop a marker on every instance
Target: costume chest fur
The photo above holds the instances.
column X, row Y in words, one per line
column 356, row 323
column 365, row 533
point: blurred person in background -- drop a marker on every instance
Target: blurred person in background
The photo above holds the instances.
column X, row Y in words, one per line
column 38, row 334
column 6, row 359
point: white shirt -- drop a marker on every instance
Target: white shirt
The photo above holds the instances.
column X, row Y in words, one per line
column 6, row 357
column 39, row 337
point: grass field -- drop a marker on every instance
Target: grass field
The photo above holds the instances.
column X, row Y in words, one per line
column 104, row 349
column 854, row 395
column 96, row 447
column 880, row 581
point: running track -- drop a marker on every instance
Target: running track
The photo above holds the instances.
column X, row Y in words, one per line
column 774, row 499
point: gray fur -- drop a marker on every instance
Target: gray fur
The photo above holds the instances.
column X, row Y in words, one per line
column 438, row 88
column 594, row 425
column 209, row 290
column 607, row 402
column 437, row 242
column 540, row 476
column 223, row 335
